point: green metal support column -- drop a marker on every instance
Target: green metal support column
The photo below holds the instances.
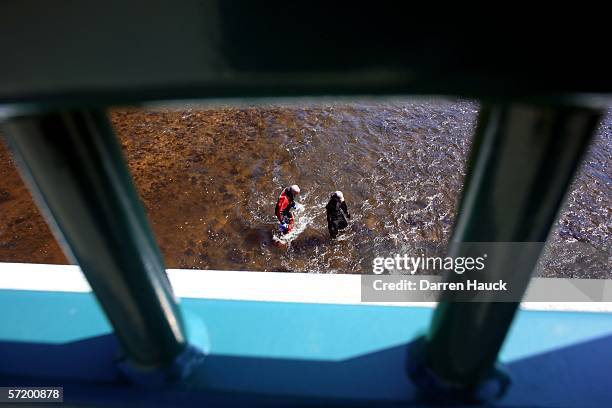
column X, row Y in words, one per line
column 523, row 160
column 76, row 172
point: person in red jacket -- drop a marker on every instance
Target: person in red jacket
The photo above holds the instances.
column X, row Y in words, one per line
column 284, row 205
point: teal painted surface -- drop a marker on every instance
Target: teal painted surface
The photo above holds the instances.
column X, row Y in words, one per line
column 284, row 330
column 196, row 331
column 305, row 331
column 535, row 332
column 293, row 349
column 50, row 317
column 337, row 332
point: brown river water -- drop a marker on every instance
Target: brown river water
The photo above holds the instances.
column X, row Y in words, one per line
column 209, row 179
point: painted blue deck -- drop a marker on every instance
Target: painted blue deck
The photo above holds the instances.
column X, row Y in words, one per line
column 294, row 349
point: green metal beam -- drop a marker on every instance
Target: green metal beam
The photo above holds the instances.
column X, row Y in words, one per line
column 98, row 53
column 74, row 166
column 523, row 160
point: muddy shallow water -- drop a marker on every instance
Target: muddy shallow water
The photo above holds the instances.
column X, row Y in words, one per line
column 209, row 179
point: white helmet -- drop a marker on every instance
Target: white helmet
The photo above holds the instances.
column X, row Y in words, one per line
column 339, row 195
column 295, row 189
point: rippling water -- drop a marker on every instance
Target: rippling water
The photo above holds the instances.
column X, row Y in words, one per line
column 580, row 245
column 209, row 179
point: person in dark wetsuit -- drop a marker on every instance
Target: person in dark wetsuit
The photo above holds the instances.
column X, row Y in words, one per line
column 284, row 205
column 336, row 210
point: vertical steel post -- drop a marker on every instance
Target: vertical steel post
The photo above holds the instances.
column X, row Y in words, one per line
column 523, row 160
column 74, row 167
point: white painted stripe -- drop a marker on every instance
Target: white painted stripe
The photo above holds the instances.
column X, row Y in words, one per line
column 52, row 278
column 240, row 285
